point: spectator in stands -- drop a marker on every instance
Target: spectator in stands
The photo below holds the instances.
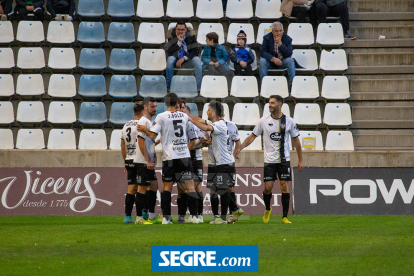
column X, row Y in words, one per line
column 182, row 51
column 339, row 8
column 299, row 9
column 29, row 9
column 61, row 9
column 242, row 56
column 276, row 53
column 214, row 56
column 5, row 8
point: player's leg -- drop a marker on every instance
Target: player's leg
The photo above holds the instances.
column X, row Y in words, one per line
column 184, row 174
column 152, row 197
column 181, row 202
column 214, row 199
column 140, row 203
column 285, row 176
column 235, row 211
column 200, row 200
column 168, row 178
column 145, row 209
column 129, row 203
column 269, row 176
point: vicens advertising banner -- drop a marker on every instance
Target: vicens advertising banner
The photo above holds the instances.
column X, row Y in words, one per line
column 101, row 191
column 354, row 191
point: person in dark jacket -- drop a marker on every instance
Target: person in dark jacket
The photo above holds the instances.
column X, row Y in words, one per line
column 242, row 56
column 34, row 7
column 5, row 8
column 182, row 51
column 214, row 56
column 63, row 7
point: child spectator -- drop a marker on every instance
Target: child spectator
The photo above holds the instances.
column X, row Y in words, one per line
column 214, row 56
column 242, row 56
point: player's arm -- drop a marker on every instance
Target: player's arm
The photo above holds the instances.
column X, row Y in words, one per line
column 247, row 142
column 150, row 134
column 198, row 144
column 144, row 151
column 123, row 151
column 298, row 146
column 200, row 123
column 192, row 144
column 236, row 148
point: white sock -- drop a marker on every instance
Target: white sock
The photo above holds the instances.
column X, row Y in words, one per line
column 152, row 215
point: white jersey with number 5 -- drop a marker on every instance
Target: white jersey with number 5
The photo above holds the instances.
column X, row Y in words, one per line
column 129, row 135
column 173, row 129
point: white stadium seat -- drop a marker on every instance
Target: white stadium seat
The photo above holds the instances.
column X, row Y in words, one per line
column 335, row 88
column 6, row 58
column 214, row 87
column 264, row 29
column 306, row 58
column 330, row 34
column 337, row 114
column 301, row 34
column 335, row 60
column 61, row 139
column 7, row 85
column 339, row 140
column 30, row 85
column 115, row 143
column 180, row 8
column 150, row 8
column 305, row 87
column 30, row 112
column 6, row 31
column 30, row 139
column 226, row 111
column 257, row 143
column 62, row 113
column 6, row 138
column 268, row 9
column 285, row 109
column 205, row 28
column 246, row 114
column 274, row 85
column 151, row 33
column 239, row 9
column 209, row 9
column 92, row 139
column 244, row 87
column 152, row 60
column 30, row 31
column 62, row 86
column 6, row 113
column 31, row 58
column 60, row 32
column 234, row 30
column 62, row 58
column 307, row 114
column 311, row 140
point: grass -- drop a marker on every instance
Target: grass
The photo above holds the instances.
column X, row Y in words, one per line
column 311, row 245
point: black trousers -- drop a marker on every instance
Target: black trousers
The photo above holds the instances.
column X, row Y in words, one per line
column 238, row 69
column 341, row 10
column 216, row 71
column 38, row 14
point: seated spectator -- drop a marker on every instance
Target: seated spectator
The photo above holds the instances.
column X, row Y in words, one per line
column 214, row 56
column 276, row 53
column 61, row 9
column 339, row 8
column 300, row 10
column 29, row 7
column 5, row 8
column 242, row 56
column 182, row 51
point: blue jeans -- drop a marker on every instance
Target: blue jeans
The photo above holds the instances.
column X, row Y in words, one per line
column 288, row 63
column 195, row 63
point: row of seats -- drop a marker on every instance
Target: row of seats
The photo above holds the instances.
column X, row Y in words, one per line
column 244, row 114
column 95, row 139
column 154, row 33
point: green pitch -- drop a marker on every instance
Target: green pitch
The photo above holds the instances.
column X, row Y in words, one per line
column 311, row 245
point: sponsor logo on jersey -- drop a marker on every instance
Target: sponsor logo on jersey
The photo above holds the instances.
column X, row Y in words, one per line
column 275, row 136
column 179, row 142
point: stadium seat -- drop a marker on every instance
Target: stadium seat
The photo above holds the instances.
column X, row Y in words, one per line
column 121, row 32
column 274, row 85
column 180, row 8
column 91, row 8
column 311, row 140
column 239, row 9
column 62, row 86
column 92, row 86
column 305, row 87
column 254, row 64
column 214, row 87
column 244, row 87
column 6, row 58
column 62, row 113
column 123, row 86
column 226, row 111
column 150, row 8
column 62, row 58
column 205, row 28
column 121, row 113
column 94, row 59
column 92, row 139
column 30, row 31
column 184, row 86
column 257, row 143
column 6, row 138
column 335, row 60
column 307, row 114
column 209, row 9
column 335, row 88
column 339, row 140
column 235, row 28
column 194, row 109
column 153, row 86
column 91, row 32
column 60, row 32
column 285, row 109
column 61, row 139
column 330, row 34
column 268, row 9
column 6, row 113
column 121, row 8
column 152, row 60
column 30, row 139
column 151, row 33
column 337, row 114
column 115, row 143
column 264, row 29
column 173, row 24
column 246, row 114
column 92, row 113
column 30, row 58
column 306, row 58
column 7, row 85
column 301, row 34
column 30, row 112
column 6, row 31
column 30, row 85
column 123, row 60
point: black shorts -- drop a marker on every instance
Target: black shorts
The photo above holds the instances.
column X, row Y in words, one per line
column 177, row 170
column 282, row 170
column 198, row 170
column 221, row 177
column 145, row 176
column 131, row 172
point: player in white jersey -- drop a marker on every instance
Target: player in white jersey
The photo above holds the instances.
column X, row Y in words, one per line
column 223, row 175
column 176, row 165
column 128, row 149
column 276, row 128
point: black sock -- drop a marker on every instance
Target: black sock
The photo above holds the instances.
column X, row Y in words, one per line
column 152, row 201
column 145, row 209
column 129, row 204
column 285, row 203
column 192, row 203
column 232, row 203
column 183, row 208
column 179, row 205
column 225, row 198
column 200, row 203
column 139, row 203
column 166, row 203
column 267, row 199
column 214, row 203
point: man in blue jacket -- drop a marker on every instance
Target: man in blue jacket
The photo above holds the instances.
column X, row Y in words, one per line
column 276, row 52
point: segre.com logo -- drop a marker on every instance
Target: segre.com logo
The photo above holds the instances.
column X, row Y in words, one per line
column 205, row 258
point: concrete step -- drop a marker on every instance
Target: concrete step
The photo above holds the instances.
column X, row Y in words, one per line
column 383, row 139
column 382, row 96
column 375, row 69
column 379, row 43
column 381, row 6
column 382, row 85
column 381, row 59
column 381, row 117
column 377, row 16
column 390, row 31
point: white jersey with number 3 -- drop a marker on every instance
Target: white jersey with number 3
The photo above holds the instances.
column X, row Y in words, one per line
column 129, row 135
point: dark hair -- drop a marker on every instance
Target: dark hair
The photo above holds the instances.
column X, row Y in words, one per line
column 147, row 100
column 181, row 22
column 277, row 98
column 180, row 102
column 213, row 36
column 188, row 108
column 217, row 108
column 183, row 102
column 138, row 107
column 171, row 99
